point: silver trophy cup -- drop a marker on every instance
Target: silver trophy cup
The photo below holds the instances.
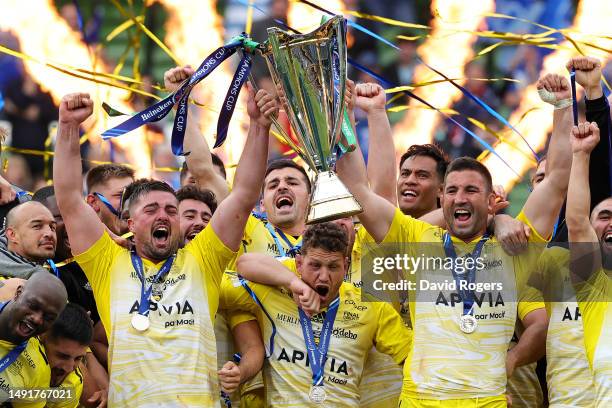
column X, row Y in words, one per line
column 309, row 70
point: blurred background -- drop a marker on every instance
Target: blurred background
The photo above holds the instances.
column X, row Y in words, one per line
column 118, row 50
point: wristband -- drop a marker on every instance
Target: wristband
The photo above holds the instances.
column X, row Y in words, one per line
column 549, row 97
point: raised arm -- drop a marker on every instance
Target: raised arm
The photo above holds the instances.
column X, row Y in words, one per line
column 199, row 159
column 588, row 75
column 82, row 224
column 382, row 171
column 544, row 203
column 584, row 138
column 230, row 218
column 267, row 270
column 378, row 213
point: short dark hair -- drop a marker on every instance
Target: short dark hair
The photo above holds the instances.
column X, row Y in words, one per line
column 327, row 236
column 468, row 163
column 145, row 186
column 104, row 172
column 184, row 170
column 284, row 163
column 428, row 150
column 216, row 162
column 43, row 193
column 219, row 163
column 198, row 194
column 73, row 324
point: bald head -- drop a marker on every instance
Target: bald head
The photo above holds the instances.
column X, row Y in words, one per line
column 35, row 307
column 30, row 229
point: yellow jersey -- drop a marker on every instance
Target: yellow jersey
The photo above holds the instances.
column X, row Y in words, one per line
column 258, row 238
column 174, row 362
column 524, row 386
column 445, row 363
column 569, row 379
column 595, row 302
column 74, row 382
column 357, row 328
column 30, row 371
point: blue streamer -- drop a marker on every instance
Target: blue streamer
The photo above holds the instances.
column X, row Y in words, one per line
column 389, row 84
column 467, row 93
column 423, row 101
column 574, row 101
column 1, row 101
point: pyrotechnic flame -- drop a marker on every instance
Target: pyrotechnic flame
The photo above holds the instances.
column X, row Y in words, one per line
column 45, row 35
column 447, row 49
column 305, row 18
column 189, row 22
column 592, row 18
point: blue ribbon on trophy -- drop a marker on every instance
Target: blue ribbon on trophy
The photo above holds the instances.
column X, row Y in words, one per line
column 180, row 97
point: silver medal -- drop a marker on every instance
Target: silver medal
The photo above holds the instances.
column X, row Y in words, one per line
column 140, row 322
column 317, row 394
column 468, row 323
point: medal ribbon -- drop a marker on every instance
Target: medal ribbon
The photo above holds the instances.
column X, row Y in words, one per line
column 53, row 267
column 574, row 102
column 145, row 293
column 246, row 287
column 12, row 355
column 318, row 354
column 293, row 249
column 466, row 296
column 107, row 203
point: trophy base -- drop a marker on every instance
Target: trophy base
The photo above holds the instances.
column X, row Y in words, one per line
column 330, row 200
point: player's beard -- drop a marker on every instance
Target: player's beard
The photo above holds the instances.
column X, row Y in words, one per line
column 151, row 252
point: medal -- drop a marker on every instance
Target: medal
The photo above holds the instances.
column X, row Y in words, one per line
column 468, row 323
column 317, row 394
column 140, row 322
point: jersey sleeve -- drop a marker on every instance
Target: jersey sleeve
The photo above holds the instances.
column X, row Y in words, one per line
column 234, row 297
column 392, row 336
column 290, row 264
column 405, row 229
column 212, row 253
column 530, row 299
column 534, row 237
column 96, row 263
column 235, row 317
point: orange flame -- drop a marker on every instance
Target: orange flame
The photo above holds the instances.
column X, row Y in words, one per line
column 305, row 18
column 448, row 50
column 189, row 22
column 592, row 18
column 44, row 34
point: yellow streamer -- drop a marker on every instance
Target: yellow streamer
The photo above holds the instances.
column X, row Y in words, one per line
column 147, row 32
column 122, row 27
column 386, row 20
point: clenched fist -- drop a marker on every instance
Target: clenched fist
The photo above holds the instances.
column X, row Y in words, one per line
column 261, row 106
column 74, row 109
column 557, row 88
column 585, row 137
column 370, row 97
column 229, row 377
column 588, row 74
column 174, row 77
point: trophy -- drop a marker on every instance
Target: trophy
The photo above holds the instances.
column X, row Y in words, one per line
column 310, row 70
